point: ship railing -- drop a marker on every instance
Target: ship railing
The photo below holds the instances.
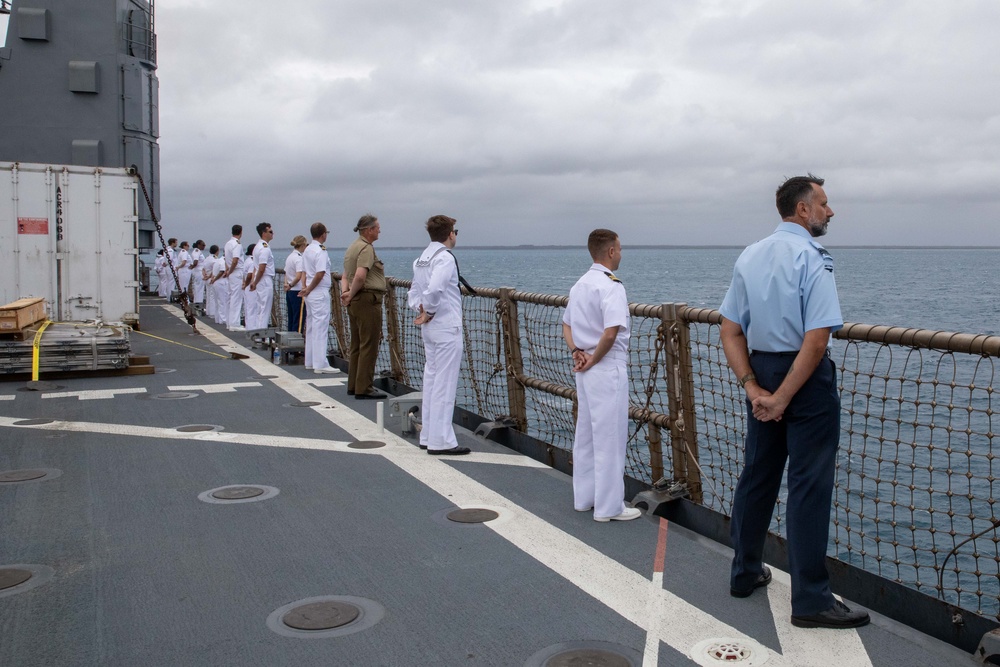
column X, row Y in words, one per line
column 914, row 495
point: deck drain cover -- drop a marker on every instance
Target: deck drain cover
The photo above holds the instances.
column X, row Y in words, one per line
column 325, row 617
column 238, row 493
column 476, row 515
column 33, row 422
column 321, row 615
column 728, row 651
column 303, row 404
column 197, row 428
column 591, row 653
column 366, row 444
column 10, row 577
column 174, row 396
column 21, row 475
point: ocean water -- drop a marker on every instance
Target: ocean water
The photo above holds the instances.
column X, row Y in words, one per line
column 950, row 289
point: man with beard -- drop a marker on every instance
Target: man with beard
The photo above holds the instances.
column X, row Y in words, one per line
column 778, row 315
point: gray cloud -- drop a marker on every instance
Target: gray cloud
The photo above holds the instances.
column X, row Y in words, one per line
column 533, row 122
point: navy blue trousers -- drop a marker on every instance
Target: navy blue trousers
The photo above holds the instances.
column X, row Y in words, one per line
column 807, row 438
column 294, row 303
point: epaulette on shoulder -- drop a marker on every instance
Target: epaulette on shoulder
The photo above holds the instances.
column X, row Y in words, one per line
column 613, row 277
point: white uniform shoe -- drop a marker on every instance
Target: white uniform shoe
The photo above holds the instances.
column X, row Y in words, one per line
column 627, row 514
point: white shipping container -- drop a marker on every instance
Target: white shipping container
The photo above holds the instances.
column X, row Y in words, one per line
column 69, row 234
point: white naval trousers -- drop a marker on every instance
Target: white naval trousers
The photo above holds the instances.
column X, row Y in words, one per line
column 184, row 276
column 221, row 288
column 317, row 328
column 199, row 284
column 235, row 281
column 443, row 359
column 209, row 291
column 259, row 317
column 601, row 434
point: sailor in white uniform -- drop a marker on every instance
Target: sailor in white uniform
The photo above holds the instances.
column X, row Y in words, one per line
column 596, row 328
column 197, row 266
column 184, row 267
column 316, row 265
column 207, row 272
column 249, row 298
column 160, row 266
column 262, row 281
column 220, row 283
column 435, row 294
column 233, row 255
column 171, row 261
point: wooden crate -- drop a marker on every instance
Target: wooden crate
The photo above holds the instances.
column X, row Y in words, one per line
column 20, row 314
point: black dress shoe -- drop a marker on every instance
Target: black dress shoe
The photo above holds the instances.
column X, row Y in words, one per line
column 371, row 393
column 762, row 580
column 837, row 616
column 422, row 446
column 454, row 451
column 350, row 392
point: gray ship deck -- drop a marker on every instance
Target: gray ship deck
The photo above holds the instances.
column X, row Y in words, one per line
column 143, row 572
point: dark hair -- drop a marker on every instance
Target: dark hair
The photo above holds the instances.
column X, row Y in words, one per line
column 317, row 229
column 237, row 230
column 794, row 190
column 170, row 241
column 199, row 244
column 263, row 227
column 599, row 241
column 250, row 248
column 183, row 244
column 439, row 227
column 214, row 249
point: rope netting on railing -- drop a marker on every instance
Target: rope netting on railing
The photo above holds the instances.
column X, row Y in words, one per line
column 914, row 496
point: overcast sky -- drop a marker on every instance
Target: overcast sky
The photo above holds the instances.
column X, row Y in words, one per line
column 537, row 121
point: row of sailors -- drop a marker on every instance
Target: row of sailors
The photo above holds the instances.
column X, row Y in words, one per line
column 236, row 288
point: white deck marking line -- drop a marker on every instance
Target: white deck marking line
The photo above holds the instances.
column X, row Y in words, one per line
column 6, row 398
column 95, row 394
column 215, row 388
column 681, row 625
column 814, row 647
column 328, row 382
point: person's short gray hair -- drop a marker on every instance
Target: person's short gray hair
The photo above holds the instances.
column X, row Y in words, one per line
column 367, row 221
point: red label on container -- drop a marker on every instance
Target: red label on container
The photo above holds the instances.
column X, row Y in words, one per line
column 32, row 225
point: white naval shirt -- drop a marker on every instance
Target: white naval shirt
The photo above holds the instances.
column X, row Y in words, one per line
column 435, row 286
column 234, row 249
column 293, row 264
column 316, row 259
column 596, row 302
column 262, row 255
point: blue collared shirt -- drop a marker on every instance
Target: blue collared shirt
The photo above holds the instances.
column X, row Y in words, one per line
column 783, row 286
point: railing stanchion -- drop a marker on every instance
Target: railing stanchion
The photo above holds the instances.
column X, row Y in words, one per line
column 655, row 439
column 512, row 351
column 680, row 391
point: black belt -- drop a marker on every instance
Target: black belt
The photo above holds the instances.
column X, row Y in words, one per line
column 783, row 354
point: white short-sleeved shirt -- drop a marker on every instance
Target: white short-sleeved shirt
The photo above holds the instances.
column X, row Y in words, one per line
column 293, row 264
column 315, row 258
column 262, row 255
column 782, row 287
column 234, row 249
column 219, row 265
column 596, row 302
column 184, row 256
column 248, row 267
column 197, row 256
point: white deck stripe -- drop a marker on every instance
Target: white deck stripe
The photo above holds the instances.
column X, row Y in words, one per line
column 215, row 388
column 651, row 655
column 6, row 398
column 94, row 394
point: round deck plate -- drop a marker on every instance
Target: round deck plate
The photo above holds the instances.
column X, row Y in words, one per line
column 198, row 428
column 366, row 444
column 473, row 515
column 238, row 493
column 8, row 476
column 173, row 396
column 12, row 576
column 325, row 615
column 33, row 422
column 233, row 494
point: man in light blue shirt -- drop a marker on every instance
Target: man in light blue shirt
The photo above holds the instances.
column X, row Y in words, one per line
column 778, row 315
